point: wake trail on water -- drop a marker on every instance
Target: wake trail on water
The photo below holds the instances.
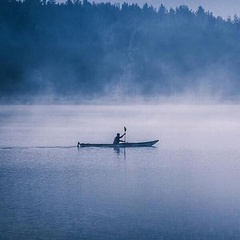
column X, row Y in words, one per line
column 36, row 147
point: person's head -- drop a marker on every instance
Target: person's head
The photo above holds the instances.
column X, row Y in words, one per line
column 118, row 134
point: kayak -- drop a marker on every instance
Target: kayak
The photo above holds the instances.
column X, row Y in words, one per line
column 123, row 145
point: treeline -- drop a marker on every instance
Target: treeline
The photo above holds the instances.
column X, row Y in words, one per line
column 83, row 49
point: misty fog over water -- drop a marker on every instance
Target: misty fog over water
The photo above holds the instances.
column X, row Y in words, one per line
column 65, row 125
column 187, row 187
column 81, row 50
column 164, row 73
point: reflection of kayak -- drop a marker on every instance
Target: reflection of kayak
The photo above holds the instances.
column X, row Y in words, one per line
column 127, row 144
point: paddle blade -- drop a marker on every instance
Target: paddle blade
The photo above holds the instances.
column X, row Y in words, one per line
column 125, row 129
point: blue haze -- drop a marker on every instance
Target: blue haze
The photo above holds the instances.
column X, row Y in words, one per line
column 82, row 50
column 187, row 187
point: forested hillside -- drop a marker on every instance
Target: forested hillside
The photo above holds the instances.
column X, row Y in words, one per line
column 81, row 49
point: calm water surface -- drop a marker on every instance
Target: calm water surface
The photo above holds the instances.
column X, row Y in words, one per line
column 187, row 187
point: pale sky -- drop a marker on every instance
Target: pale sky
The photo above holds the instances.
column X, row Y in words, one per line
column 222, row 8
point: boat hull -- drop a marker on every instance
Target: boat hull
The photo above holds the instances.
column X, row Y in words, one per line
column 122, row 145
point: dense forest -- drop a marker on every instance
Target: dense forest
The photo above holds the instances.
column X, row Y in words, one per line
column 81, row 50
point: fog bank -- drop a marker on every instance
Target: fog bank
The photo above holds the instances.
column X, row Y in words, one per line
column 82, row 51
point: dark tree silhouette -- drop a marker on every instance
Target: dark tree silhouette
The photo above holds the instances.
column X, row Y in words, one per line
column 82, row 49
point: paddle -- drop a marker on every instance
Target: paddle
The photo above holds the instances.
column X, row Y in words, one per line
column 125, row 136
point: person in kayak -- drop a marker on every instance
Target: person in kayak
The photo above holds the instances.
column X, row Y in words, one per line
column 117, row 139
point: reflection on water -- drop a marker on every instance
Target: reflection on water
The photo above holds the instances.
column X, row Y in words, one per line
column 117, row 150
column 187, row 187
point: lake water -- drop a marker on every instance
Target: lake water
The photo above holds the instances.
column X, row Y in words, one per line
column 187, row 187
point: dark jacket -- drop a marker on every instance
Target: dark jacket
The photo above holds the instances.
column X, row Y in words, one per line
column 117, row 139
